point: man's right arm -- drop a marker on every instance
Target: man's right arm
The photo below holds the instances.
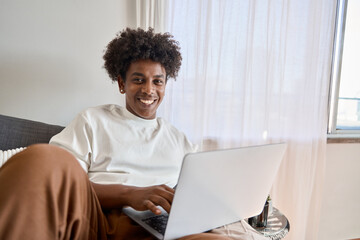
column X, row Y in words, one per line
column 139, row 198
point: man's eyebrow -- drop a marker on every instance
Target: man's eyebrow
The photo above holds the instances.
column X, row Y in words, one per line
column 142, row 75
column 137, row 74
column 159, row 76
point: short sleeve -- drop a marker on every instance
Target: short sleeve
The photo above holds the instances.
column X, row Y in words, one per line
column 77, row 139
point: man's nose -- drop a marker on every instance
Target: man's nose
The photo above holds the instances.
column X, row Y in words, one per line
column 148, row 87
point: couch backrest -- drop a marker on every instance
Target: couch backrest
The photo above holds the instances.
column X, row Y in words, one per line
column 17, row 132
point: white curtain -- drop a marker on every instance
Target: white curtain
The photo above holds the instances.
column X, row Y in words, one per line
column 255, row 72
column 151, row 13
column 258, row 72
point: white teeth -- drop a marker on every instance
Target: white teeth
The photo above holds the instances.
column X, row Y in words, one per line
column 147, row 102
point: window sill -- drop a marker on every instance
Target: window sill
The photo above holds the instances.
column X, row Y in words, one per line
column 343, row 138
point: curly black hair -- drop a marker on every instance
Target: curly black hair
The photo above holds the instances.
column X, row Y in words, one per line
column 131, row 45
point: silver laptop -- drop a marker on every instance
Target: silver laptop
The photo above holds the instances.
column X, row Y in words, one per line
column 216, row 188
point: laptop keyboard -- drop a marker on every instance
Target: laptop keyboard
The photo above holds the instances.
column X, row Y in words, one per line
column 157, row 222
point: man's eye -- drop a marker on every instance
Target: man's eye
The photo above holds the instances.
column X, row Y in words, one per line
column 158, row 82
column 138, row 80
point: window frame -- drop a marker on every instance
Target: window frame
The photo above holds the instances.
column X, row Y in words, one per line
column 333, row 133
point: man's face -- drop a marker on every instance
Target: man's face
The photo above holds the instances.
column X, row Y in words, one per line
column 144, row 87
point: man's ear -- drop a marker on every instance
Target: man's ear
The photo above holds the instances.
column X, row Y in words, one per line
column 121, row 84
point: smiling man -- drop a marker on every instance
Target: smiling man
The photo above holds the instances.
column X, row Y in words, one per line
column 144, row 86
column 108, row 157
column 132, row 158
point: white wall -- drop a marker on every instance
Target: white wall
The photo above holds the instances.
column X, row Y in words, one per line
column 340, row 211
column 51, row 56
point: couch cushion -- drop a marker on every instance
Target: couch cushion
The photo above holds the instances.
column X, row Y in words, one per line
column 17, row 132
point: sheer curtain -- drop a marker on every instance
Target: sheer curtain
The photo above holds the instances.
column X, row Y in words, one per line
column 151, row 13
column 258, row 72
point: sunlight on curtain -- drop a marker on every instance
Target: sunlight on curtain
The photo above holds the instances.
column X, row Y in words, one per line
column 257, row 72
column 151, row 13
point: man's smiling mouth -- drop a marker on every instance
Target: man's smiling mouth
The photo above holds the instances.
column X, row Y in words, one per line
column 147, row 102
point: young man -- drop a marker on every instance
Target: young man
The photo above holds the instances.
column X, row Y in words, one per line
column 130, row 157
column 128, row 151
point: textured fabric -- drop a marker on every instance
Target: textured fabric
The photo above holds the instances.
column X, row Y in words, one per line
column 17, row 132
column 115, row 146
column 239, row 231
column 46, row 195
column 5, row 155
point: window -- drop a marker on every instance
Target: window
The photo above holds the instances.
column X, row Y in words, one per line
column 345, row 88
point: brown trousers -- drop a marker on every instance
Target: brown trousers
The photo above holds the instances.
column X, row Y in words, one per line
column 45, row 194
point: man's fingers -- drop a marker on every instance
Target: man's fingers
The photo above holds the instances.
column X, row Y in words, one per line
column 152, row 207
column 160, row 201
column 169, row 188
column 151, row 197
column 167, row 193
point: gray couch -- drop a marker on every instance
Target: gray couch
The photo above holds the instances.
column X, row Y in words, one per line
column 17, row 132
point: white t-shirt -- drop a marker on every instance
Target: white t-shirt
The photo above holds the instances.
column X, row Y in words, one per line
column 115, row 146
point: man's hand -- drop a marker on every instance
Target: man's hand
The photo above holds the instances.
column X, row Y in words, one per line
column 144, row 198
column 139, row 198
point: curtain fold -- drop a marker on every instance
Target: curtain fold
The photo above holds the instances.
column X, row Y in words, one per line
column 151, row 13
column 257, row 72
